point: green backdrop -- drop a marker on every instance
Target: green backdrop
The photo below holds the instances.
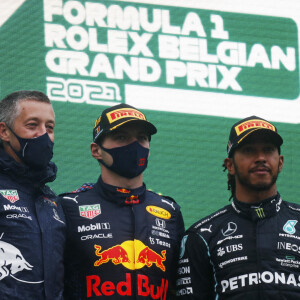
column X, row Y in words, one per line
column 188, row 151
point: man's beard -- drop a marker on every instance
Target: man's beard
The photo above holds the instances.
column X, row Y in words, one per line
column 259, row 187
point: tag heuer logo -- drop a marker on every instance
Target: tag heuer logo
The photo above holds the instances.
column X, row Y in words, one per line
column 90, row 211
column 10, row 195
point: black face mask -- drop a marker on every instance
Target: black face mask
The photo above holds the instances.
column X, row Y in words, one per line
column 128, row 161
column 35, row 152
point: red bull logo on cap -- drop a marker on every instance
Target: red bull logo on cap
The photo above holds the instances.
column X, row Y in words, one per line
column 132, row 255
column 251, row 124
column 122, row 113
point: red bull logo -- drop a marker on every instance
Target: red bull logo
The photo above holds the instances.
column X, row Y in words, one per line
column 123, row 191
column 132, row 255
column 96, row 287
column 150, row 257
column 116, row 254
column 132, row 200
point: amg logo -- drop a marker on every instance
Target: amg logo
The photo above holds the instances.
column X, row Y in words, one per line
column 92, row 227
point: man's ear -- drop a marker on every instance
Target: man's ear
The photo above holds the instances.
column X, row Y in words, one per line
column 280, row 162
column 229, row 165
column 4, row 132
column 96, row 151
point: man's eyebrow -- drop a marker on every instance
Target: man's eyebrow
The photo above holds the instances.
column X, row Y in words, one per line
column 38, row 119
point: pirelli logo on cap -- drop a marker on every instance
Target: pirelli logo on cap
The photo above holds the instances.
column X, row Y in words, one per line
column 122, row 113
column 252, row 124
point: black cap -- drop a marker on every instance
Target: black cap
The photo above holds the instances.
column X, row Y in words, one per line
column 119, row 115
column 241, row 130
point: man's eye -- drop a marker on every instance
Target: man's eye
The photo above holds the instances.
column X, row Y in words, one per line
column 120, row 137
column 32, row 124
column 247, row 150
column 143, row 137
column 269, row 149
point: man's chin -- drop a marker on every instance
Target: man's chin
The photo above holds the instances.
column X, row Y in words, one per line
column 260, row 187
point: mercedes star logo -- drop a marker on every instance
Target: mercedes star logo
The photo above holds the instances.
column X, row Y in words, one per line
column 230, row 229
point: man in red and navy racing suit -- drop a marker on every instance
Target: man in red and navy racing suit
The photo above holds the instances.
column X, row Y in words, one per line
column 249, row 249
column 122, row 240
column 32, row 227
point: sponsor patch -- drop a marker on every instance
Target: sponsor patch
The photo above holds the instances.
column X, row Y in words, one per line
column 96, row 286
column 229, row 229
column 124, row 254
column 10, row 195
column 13, row 261
column 90, row 211
column 286, row 280
column 122, row 113
column 158, row 212
column 93, row 227
column 14, row 207
column 289, row 226
column 251, row 124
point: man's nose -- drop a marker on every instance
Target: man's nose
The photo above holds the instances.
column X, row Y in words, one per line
column 261, row 156
column 41, row 131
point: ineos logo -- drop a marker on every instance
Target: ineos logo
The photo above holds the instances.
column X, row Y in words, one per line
column 230, row 229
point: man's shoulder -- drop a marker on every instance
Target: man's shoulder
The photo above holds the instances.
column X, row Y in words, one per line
column 160, row 198
column 73, row 195
column 83, row 188
column 292, row 206
column 215, row 217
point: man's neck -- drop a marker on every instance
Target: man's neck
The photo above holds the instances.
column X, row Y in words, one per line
column 114, row 179
column 248, row 195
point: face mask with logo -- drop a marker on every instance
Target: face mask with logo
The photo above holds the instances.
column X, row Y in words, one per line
column 128, row 161
column 35, row 152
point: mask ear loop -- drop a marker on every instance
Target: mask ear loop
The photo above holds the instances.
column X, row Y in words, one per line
column 16, row 137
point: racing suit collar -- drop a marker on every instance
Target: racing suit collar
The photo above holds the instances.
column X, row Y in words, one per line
column 265, row 209
column 122, row 196
column 24, row 175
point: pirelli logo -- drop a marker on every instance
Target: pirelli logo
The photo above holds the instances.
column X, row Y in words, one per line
column 250, row 124
column 122, row 113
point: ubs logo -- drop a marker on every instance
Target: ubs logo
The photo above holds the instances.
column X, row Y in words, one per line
column 230, row 229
